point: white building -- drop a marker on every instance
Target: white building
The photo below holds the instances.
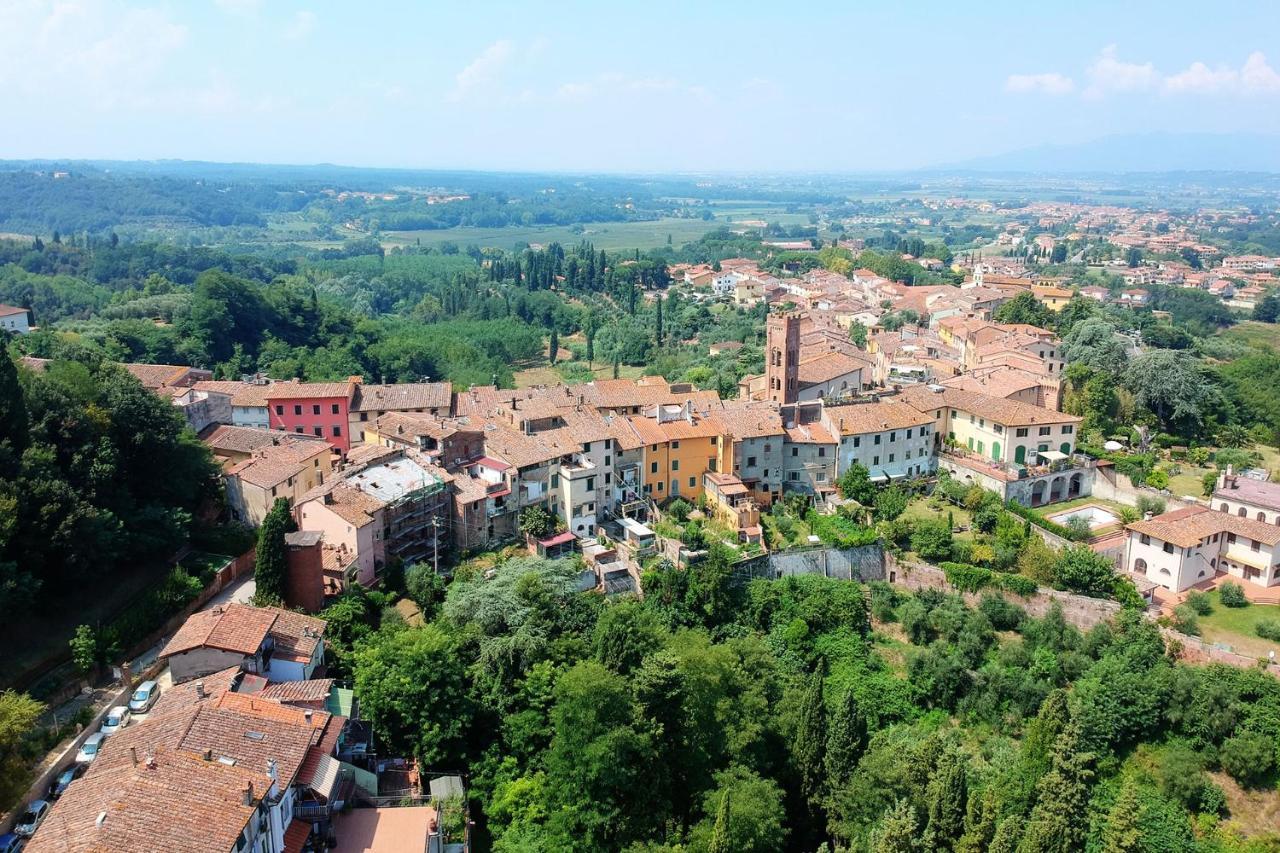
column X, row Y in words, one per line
column 889, row 438
column 1182, row 548
column 14, row 319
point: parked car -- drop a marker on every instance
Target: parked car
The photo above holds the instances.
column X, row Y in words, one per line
column 10, row 843
column 90, row 749
column 64, row 780
column 117, row 718
column 30, row 820
column 144, row 697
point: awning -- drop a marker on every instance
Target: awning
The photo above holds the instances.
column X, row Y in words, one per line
column 1051, row 455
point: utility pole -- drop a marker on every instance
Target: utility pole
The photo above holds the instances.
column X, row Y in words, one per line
column 435, row 544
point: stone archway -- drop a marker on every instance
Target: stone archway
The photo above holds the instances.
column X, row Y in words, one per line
column 1038, row 492
column 1076, row 485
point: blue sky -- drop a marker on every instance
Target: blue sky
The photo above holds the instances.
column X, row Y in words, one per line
column 622, row 86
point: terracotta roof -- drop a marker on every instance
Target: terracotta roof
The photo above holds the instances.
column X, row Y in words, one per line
column 157, row 375
column 863, row 418
column 34, row 364
column 742, row 419
column 413, row 395
column 996, row 409
column 170, row 800
column 244, row 394
column 294, row 390
column 827, row 366
column 242, row 629
column 274, row 464
column 1187, row 527
column 290, row 692
column 186, row 694
column 9, row 310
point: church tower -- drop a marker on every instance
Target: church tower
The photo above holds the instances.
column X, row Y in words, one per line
column 782, row 362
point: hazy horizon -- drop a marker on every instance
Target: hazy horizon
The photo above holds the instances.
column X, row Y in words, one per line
column 655, row 89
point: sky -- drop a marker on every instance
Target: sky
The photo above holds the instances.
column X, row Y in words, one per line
column 623, row 86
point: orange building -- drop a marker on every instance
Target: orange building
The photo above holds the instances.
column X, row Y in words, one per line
column 680, row 446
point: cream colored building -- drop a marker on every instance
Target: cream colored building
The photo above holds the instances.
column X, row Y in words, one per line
column 995, row 428
column 1179, row 549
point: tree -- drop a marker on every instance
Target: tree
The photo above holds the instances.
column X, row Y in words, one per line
column 855, row 484
column 1123, row 834
column 657, row 320
column 946, row 797
column 1024, row 308
column 1268, row 308
column 1174, row 387
column 13, row 416
column 84, row 649
column 1081, row 569
column 932, row 540
column 1062, row 795
column 897, row 832
column 809, row 743
column 413, row 684
column 1250, row 758
column 536, row 522
column 18, row 716
column 625, row 632
column 720, row 835
column 425, row 587
column 846, row 740
column 1133, row 257
column 890, row 502
column 1094, row 344
column 271, row 565
column 554, row 346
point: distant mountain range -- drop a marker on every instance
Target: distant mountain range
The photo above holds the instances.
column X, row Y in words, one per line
column 1145, row 152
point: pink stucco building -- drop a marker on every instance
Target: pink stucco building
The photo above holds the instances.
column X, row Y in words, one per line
column 313, row 408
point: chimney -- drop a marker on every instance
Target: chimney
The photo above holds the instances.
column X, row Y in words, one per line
column 307, row 715
column 200, row 689
column 208, row 754
column 271, row 768
column 133, row 753
column 248, row 794
column 101, row 819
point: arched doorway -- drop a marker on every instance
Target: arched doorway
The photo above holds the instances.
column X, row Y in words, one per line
column 995, row 450
column 1073, row 490
column 1037, row 492
column 1140, row 565
column 1065, row 447
column 1020, row 455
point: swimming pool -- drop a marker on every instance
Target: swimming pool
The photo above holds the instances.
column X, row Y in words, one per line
column 1097, row 516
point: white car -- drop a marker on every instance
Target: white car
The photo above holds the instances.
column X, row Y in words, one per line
column 144, row 697
column 29, row 822
column 117, row 718
column 92, row 746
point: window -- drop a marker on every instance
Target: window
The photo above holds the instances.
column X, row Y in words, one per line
column 1068, row 429
column 318, row 430
column 1021, row 432
column 555, row 481
column 607, row 460
column 297, row 429
column 890, row 457
column 337, row 432
column 1231, row 539
column 795, row 475
column 822, row 451
column 998, row 429
column 893, row 436
column 751, row 462
column 659, row 485
column 857, row 441
column 608, row 444
column 608, row 478
column 297, row 410
column 795, row 451
column 713, row 441
column 909, row 434
column 315, row 409
column 875, row 460
column 1045, row 430
column 877, row 439
column 586, row 448
column 1168, row 548
column 767, row 447
column 279, row 410
column 653, row 467
column 675, row 445
column 1254, row 544
column 822, row 476
column 1145, row 539
column 675, row 464
column 675, row 487
column 364, row 416
column 693, row 482
column 591, row 484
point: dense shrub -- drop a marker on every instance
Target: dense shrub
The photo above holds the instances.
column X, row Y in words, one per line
column 1232, row 595
column 1268, row 629
column 1199, row 602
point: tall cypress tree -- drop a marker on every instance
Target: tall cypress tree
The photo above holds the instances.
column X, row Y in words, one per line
column 270, row 566
column 720, row 834
column 554, row 346
column 898, row 831
column 809, row 746
column 980, row 822
column 657, row 320
column 1062, row 796
column 1122, row 834
column 1008, row 835
column 946, row 795
column 846, row 740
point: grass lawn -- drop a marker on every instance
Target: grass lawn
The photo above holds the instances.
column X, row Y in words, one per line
column 1255, row 334
column 1233, row 626
column 1189, row 482
column 920, row 510
column 198, row 562
column 603, row 235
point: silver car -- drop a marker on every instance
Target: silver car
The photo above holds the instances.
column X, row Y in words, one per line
column 117, row 718
column 144, row 697
column 92, row 746
column 29, row 822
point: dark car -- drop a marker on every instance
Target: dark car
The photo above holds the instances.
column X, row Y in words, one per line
column 65, row 778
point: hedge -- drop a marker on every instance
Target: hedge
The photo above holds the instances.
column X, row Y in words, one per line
column 967, row 578
column 1044, row 523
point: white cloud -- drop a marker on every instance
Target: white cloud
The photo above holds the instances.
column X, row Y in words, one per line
column 1109, row 74
column 1258, row 76
column 302, row 25
column 484, row 70
column 1051, row 83
column 1200, row 78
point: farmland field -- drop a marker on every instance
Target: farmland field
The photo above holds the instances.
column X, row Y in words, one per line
column 604, row 235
